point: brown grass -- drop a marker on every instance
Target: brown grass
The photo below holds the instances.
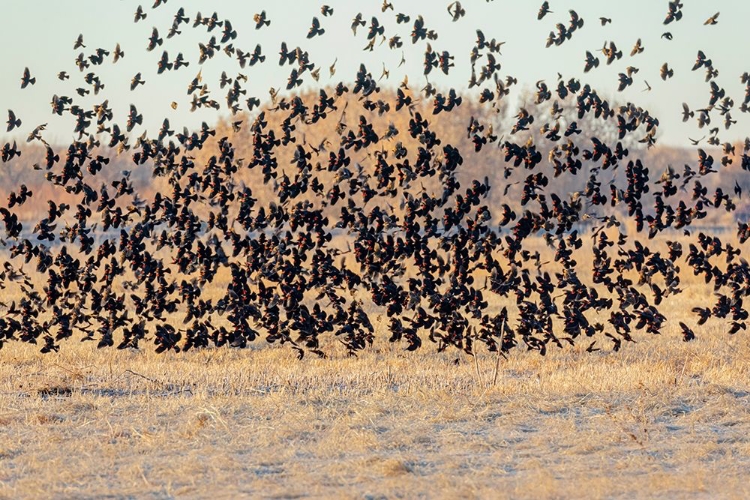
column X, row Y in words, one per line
column 659, row 419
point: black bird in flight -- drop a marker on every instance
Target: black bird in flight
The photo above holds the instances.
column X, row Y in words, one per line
column 13, row 121
column 456, row 11
column 687, row 333
column 154, row 40
column 261, row 20
column 27, row 79
column 543, row 10
column 315, row 29
column 139, row 14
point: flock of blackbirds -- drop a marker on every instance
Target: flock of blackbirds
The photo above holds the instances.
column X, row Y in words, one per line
column 430, row 269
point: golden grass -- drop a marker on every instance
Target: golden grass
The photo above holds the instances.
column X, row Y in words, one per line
column 659, row 419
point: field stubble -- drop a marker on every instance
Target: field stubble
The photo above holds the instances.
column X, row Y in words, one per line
column 660, row 418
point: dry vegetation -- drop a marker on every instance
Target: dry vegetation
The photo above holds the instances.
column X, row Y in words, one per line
column 660, row 418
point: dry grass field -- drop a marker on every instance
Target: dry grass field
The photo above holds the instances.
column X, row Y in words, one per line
column 661, row 418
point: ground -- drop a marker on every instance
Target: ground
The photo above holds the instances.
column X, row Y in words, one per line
column 660, row 418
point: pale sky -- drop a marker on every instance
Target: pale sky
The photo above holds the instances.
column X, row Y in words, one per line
column 41, row 35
